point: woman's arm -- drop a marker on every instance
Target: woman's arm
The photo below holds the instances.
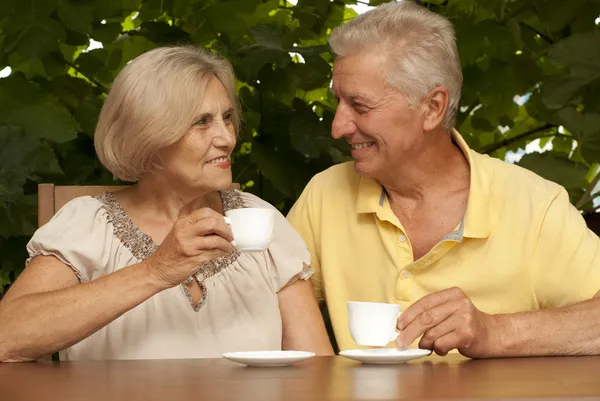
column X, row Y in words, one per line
column 47, row 310
column 303, row 327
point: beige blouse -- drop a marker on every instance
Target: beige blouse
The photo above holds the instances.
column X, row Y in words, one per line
column 238, row 312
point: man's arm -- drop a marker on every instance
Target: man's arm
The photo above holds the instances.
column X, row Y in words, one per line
column 448, row 320
column 570, row 330
column 565, row 276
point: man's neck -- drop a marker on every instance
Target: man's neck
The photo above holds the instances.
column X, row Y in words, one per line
column 439, row 169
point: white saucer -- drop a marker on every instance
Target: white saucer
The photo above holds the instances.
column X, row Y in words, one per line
column 384, row 356
column 268, row 358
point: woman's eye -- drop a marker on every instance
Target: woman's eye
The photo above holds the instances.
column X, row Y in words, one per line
column 201, row 122
column 228, row 117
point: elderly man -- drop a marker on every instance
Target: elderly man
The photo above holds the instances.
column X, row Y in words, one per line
column 483, row 256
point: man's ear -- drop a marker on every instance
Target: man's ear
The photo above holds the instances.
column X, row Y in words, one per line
column 434, row 106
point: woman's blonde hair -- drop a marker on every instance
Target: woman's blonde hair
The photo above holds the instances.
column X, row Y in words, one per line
column 420, row 44
column 152, row 104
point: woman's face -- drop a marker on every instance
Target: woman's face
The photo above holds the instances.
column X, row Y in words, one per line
column 200, row 160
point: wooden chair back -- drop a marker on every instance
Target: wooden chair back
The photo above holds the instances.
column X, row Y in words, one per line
column 52, row 197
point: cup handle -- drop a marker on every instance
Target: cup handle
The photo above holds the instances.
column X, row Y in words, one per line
column 228, row 222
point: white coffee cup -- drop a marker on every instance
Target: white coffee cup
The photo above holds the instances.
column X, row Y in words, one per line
column 252, row 228
column 373, row 324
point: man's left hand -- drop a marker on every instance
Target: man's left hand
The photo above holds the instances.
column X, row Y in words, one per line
column 447, row 320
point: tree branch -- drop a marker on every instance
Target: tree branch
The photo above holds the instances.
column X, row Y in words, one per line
column 591, row 210
column 546, row 38
column 92, row 80
column 309, row 49
column 537, row 9
column 499, row 145
column 588, row 192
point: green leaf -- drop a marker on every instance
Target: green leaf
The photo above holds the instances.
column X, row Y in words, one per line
column 106, row 33
column 314, row 73
column 37, row 39
column 76, row 39
column 378, row 2
column 562, row 144
column 274, row 166
column 14, row 254
column 267, row 36
column 556, row 168
column 20, row 100
column 162, row 33
column 22, row 158
column 76, row 16
column 127, row 48
column 308, row 135
column 87, row 114
column 586, row 129
column 31, row 68
column 580, row 54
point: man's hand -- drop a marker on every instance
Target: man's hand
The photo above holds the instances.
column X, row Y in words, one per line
column 446, row 320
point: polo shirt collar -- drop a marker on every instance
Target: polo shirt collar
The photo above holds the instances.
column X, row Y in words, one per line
column 476, row 222
column 477, row 217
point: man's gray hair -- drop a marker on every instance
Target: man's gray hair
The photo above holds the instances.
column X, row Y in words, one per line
column 421, row 45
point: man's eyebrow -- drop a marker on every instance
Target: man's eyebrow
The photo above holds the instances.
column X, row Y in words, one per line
column 353, row 95
column 359, row 95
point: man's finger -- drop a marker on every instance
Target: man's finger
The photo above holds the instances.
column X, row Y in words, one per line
column 446, row 343
column 427, row 302
column 428, row 319
column 433, row 334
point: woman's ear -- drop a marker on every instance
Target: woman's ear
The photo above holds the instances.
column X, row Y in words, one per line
column 435, row 106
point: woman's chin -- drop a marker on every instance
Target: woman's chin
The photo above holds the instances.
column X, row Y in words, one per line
column 221, row 183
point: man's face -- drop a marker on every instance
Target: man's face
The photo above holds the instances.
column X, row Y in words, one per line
column 374, row 118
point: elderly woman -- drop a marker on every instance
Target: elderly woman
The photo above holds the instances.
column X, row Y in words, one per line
column 149, row 272
column 483, row 256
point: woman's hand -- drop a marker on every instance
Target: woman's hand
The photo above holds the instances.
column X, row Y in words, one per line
column 194, row 239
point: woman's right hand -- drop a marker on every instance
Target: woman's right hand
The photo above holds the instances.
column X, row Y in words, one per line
column 194, row 239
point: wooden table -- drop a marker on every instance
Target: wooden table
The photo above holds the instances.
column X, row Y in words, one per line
column 322, row 378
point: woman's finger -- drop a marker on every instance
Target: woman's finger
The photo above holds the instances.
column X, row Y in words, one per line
column 210, row 243
column 213, row 225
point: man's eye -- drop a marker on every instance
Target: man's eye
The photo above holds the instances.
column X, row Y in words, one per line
column 360, row 108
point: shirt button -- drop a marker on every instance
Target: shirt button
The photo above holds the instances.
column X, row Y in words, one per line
column 406, row 274
column 402, row 238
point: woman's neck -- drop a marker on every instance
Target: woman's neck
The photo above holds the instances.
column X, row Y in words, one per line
column 160, row 200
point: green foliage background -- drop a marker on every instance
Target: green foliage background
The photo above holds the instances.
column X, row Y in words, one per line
column 545, row 50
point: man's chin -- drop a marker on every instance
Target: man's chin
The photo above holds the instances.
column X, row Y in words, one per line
column 365, row 169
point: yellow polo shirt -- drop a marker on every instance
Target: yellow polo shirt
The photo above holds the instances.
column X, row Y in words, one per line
column 520, row 246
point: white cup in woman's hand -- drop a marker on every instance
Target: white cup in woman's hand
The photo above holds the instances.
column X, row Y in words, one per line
column 252, row 228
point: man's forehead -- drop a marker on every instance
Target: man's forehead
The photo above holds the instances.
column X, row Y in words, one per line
column 356, row 81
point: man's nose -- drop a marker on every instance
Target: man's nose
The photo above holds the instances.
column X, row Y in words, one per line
column 343, row 123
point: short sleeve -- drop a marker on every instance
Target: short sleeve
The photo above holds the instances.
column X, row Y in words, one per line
column 289, row 257
column 567, row 256
column 78, row 235
column 302, row 217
